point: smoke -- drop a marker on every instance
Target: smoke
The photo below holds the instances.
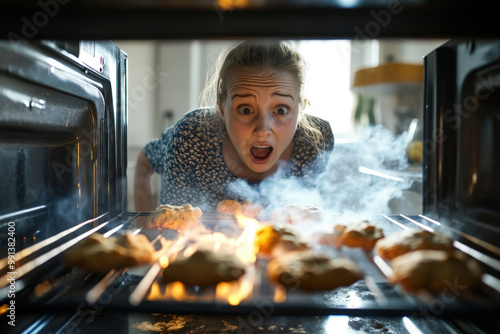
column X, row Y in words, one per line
column 357, row 178
column 358, row 175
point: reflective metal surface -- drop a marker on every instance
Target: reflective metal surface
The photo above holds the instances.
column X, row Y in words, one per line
column 371, row 304
column 462, row 140
column 62, row 133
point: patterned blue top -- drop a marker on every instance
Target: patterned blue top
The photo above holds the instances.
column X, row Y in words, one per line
column 189, row 158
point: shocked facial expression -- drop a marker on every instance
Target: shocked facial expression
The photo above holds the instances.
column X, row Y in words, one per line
column 261, row 112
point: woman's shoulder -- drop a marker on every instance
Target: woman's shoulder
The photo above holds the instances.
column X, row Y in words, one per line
column 321, row 137
column 197, row 117
column 197, row 122
column 319, row 123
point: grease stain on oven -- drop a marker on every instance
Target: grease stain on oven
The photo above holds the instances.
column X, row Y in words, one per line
column 176, row 323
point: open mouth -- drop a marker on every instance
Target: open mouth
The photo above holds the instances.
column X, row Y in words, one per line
column 260, row 154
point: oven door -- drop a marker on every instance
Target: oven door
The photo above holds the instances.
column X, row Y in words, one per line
column 62, row 135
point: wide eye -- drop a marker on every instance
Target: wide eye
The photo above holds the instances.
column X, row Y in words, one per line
column 245, row 110
column 281, row 110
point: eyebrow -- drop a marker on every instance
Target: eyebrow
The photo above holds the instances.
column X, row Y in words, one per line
column 250, row 95
column 284, row 95
column 240, row 95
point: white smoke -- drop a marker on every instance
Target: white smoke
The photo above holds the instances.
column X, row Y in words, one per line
column 346, row 185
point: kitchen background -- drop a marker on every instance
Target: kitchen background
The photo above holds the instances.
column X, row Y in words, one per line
column 165, row 79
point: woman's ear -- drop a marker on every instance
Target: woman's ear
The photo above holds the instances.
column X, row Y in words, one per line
column 303, row 103
column 221, row 109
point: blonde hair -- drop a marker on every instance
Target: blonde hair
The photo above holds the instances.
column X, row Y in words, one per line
column 277, row 55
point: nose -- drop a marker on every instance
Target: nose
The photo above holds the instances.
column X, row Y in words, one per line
column 263, row 125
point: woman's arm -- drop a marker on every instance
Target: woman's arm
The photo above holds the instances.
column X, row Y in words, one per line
column 143, row 195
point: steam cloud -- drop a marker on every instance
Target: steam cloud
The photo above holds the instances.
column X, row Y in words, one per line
column 342, row 188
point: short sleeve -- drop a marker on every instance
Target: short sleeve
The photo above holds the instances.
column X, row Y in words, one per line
column 326, row 130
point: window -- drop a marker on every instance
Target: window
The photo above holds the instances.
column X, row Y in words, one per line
column 327, row 85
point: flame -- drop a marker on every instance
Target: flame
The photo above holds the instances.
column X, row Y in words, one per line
column 164, row 261
column 245, row 247
column 161, row 253
column 242, row 246
column 176, row 290
column 173, row 290
column 279, row 294
column 235, row 292
column 232, row 4
column 155, row 292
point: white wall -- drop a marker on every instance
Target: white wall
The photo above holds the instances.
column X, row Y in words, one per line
column 142, row 89
column 187, row 63
column 163, row 76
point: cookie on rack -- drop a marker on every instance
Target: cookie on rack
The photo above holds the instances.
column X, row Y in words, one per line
column 174, row 217
column 295, row 214
column 100, row 254
column 273, row 240
column 406, row 241
column 247, row 208
column 204, row 268
column 312, row 271
column 362, row 234
column 435, row 271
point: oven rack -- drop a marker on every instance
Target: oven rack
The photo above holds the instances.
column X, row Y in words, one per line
column 43, row 281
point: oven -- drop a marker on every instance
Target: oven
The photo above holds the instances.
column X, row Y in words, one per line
column 63, row 121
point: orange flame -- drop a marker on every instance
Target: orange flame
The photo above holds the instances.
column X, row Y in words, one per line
column 235, row 292
column 232, row 4
column 155, row 292
column 164, row 261
column 176, row 290
column 279, row 294
column 245, row 248
column 173, row 290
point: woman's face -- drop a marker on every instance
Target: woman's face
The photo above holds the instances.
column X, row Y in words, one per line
column 261, row 112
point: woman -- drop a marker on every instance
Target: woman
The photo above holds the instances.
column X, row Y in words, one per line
column 258, row 129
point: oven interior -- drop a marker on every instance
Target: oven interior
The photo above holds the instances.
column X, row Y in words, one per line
column 63, row 140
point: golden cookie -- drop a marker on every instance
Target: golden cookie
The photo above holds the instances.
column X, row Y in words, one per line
column 405, row 241
column 312, row 272
column 436, row 271
column 294, row 214
column 363, row 234
column 228, row 206
column 248, row 209
column 174, row 217
column 205, row 268
column 97, row 253
column 271, row 239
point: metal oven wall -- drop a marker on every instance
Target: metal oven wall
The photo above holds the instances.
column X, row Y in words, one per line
column 62, row 134
column 462, row 137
